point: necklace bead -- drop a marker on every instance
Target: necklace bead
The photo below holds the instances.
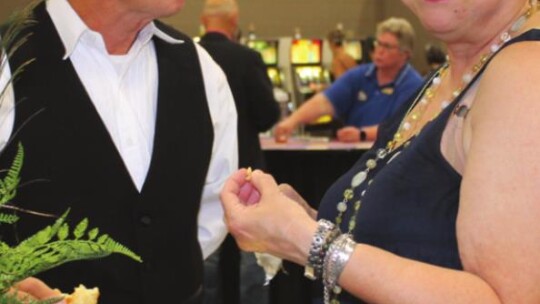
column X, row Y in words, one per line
column 381, row 153
column 358, row 179
column 467, row 77
column 371, row 164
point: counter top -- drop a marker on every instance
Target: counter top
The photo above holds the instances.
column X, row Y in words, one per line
column 311, row 143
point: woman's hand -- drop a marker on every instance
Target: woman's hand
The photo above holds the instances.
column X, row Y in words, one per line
column 263, row 219
column 293, row 195
column 35, row 289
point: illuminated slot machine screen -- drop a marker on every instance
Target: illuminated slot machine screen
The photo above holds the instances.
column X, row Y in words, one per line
column 310, row 77
column 268, row 50
column 306, row 51
column 275, row 76
column 354, row 48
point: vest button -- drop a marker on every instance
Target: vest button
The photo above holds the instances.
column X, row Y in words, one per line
column 146, row 220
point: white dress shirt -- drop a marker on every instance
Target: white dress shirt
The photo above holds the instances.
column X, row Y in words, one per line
column 124, row 90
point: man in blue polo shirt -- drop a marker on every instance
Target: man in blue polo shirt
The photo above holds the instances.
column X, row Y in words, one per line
column 368, row 94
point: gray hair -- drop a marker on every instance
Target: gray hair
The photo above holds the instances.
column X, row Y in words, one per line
column 402, row 29
column 219, row 7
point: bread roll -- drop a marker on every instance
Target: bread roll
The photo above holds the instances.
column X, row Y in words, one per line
column 83, row 295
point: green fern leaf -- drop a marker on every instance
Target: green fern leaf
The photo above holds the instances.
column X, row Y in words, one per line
column 63, row 232
column 3, row 247
column 80, row 229
column 15, row 170
column 92, row 234
column 9, row 298
column 102, row 239
column 8, row 218
column 8, row 186
column 19, row 263
column 45, row 235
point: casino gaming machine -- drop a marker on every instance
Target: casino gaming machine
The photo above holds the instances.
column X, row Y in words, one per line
column 359, row 49
column 269, row 52
column 309, row 75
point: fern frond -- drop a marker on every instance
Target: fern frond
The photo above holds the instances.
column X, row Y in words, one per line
column 80, row 229
column 92, row 234
column 16, row 166
column 45, row 235
column 18, row 21
column 10, row 298
column 8, row 186
column 42, row 252
column 8, row 218
column 19, row 263
column 3, row 247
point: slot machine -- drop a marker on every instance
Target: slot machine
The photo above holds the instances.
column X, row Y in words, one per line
column 359, row 49
column 269, row 50
column 309, row 74
column 269, row 53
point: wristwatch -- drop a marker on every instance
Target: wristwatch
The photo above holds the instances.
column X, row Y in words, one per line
column 363, row 135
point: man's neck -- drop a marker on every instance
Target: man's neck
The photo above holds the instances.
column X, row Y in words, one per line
column 118, row 28
column 220, row 31
column 388, row 75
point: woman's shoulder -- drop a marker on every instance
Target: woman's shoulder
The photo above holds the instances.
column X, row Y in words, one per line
column 508, row 92
column 515, row 68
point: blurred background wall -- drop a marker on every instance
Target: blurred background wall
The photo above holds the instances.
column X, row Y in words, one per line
column 278, row 18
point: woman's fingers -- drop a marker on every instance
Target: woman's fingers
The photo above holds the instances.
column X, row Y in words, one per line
column 254, row 196
column 231, row 189
column 245, row 192
column 263, row 182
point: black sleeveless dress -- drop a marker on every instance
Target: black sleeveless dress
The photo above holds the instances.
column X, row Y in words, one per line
column 411, row 205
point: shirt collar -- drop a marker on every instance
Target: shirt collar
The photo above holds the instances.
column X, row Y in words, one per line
column 370, row 72
column 71, row 28
column 218, row 31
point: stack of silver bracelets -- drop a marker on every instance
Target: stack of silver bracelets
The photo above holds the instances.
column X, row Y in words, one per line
column 329, row 253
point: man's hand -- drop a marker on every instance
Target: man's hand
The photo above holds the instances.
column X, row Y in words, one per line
column 348, row 134
column 34, row 289
column 283, row 130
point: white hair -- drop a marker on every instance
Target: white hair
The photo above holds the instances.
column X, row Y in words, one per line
column 219, row 7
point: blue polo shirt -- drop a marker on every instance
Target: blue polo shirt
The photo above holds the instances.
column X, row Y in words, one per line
column 360, row 101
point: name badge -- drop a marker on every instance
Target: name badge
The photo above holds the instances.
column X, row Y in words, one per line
column 362, row 96
column 388, row 91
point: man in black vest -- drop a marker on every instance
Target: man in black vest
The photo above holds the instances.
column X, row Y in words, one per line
column 257, row 112
column 129, row 123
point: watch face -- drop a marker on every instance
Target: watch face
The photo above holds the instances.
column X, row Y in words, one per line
column 363, row 135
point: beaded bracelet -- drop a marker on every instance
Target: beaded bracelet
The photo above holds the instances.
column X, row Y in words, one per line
column 326, row 233
column 339, row 253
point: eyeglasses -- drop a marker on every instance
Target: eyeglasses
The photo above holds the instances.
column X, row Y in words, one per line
column 385, row 45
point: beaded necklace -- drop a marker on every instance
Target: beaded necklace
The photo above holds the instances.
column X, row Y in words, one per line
column 423, row 99
column 410, row 124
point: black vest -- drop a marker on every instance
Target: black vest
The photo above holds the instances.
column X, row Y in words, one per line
column 72, row 162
